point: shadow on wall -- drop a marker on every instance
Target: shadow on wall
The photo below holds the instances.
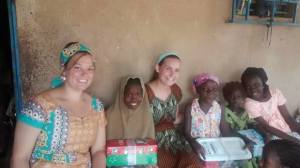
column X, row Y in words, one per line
column 36, row 66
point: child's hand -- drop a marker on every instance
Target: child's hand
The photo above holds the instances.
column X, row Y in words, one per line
column 200, row 150
column 250, row 145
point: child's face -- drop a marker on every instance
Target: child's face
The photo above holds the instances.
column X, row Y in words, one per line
column 270, row 161
column 254, row 88
column 237, row 99
column 133, row 96
column 208, row 91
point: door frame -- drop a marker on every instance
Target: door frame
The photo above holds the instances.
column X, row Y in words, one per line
column 15, row 54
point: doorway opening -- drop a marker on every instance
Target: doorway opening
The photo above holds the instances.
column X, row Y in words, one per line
column 7, row 110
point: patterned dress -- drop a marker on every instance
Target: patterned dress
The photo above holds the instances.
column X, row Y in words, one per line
column 237, row 122
column 268, row 110
column 65, row 139
column 174, row 149
column 164, row 114
column 205, row 125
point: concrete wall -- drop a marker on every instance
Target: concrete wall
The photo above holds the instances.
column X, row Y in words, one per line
column 128, row 35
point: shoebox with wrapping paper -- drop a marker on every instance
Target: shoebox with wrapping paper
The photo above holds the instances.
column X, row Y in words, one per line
column 255, row 137
column 127, row 152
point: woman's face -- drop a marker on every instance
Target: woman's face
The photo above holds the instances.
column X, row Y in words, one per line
column 254, row 88
column 168, row 72
column 208, row 91
column 81, row 74
column 133, row 96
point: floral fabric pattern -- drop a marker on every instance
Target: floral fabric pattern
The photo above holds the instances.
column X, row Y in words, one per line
column 205, row 125
column 65, row 139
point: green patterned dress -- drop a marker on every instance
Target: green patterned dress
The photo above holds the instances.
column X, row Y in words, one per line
column 237, row 123
column 164, row 113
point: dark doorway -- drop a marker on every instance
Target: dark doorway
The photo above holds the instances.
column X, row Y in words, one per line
column 7, row 119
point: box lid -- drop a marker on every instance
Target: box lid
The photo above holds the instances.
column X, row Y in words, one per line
column 130, row 142
column 223, row 149
column 131, row 146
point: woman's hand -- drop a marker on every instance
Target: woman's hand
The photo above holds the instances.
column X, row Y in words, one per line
column 294, row 139
column 98, row 149
column 179, row 118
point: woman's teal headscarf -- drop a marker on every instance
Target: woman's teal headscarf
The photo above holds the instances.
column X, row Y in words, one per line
column 65, row 56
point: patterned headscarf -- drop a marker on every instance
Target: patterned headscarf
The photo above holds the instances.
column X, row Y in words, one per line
column 65, row 56
column 204, row 77
column 68, row 52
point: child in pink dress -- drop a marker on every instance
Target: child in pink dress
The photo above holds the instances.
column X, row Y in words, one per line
column 267, row 106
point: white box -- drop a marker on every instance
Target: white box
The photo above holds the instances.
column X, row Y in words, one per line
column 223, row 149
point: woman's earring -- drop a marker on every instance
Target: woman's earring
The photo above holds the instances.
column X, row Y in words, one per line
column 63, row 78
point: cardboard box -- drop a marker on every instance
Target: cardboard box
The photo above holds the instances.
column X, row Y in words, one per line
column 131, row 152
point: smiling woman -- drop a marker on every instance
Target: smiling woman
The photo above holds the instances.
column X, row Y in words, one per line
column 164, row 96
column 63, row 126
column 81, row 74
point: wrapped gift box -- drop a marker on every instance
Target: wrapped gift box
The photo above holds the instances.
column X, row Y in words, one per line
column 257, row 138
column 224, row 149
column 131, row 152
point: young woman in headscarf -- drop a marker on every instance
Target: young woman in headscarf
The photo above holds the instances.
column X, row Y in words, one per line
column 130, row 116
column 63, row 126
column 164, row 96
